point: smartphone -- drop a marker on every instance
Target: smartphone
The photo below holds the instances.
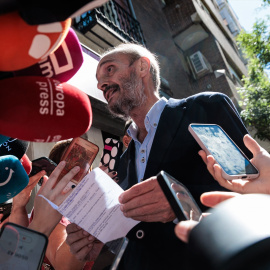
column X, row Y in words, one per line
column 179, row 197
column 111, row 154
column 215, row 141
column 111, row 254
column 21, row 247
column 80, row 152
column 42, row 163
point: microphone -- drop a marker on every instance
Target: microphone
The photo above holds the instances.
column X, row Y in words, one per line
column 3, row 138
column 62, row 64
column 48, row 11
column 40, row 109
column 13, row 177
column 27, row 163
column 24, row 45
column 14, row 147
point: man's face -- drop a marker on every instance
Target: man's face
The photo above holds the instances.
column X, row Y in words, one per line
column 121, row 85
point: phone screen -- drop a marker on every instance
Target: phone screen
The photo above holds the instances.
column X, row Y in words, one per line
column 42, row 163
column 179, row 197
column 223, row 149
column 21, row 248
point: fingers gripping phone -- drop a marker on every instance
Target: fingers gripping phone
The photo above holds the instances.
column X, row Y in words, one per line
column 42, row 163
column 179, row 197
column 80, row 152
column 215, row 141
column 21, row 248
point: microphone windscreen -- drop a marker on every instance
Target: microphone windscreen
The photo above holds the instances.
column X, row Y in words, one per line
column 40, row 109
column 14, row 147
column 27, row 163
column 24, row 45
column 3, row 138
column 13, row 177
column 62, row 64
column 48, row 11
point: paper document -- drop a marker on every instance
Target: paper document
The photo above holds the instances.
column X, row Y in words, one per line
column 94, row 206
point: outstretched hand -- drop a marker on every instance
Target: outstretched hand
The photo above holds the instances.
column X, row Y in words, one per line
column 46, row 217
column 261, row 160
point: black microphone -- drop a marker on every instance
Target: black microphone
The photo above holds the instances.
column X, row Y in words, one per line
column 14, row 147
column 49, row 11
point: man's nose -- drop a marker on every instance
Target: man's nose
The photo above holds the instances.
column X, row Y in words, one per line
column 102, row 84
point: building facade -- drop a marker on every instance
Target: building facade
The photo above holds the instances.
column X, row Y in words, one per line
column 196, row 49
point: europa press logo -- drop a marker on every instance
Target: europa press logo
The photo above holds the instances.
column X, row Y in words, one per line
column 24, row 45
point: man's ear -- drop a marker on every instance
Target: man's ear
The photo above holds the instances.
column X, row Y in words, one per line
column 144, row 66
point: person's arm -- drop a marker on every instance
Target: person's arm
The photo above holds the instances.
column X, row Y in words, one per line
column 18, row 213
column 210, row 199
column 146, row 202
column 58, row 252
column 261, row 160
column 46, row 217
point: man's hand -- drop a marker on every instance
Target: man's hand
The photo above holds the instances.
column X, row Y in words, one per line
column 146, row 202
column 83, row 245
column 261, row 160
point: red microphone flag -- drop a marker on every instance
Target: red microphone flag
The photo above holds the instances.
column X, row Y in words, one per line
column 24, row 45
column 40, row 109
column 62, row 64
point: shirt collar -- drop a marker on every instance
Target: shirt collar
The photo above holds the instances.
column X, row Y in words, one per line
column 151, row 119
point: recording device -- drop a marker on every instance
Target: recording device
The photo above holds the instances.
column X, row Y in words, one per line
column 3, row 138
column 82, row 153
column 24, row 44
column 111, row 254
column 41, row 109
column 111, row 154
column 13, row 177
column 14, row 147
column 21, row 247
column 42, row 163
column 62, row 64
column 179, row 197
column 215, row 141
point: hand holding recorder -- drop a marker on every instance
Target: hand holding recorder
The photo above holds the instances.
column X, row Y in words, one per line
column 261, row 159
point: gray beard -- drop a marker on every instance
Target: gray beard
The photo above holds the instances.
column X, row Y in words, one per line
column 132, row 97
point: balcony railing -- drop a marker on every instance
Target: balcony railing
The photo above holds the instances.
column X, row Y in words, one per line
column 115, row 18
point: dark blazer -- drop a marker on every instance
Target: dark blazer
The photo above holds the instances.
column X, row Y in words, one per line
column 175, row 151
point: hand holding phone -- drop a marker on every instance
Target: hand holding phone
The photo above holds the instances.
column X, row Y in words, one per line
column 82, row 153
column 42, row 163
column 215, row 141
column 179, row 197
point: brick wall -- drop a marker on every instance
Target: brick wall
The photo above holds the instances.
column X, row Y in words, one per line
column 178, row 14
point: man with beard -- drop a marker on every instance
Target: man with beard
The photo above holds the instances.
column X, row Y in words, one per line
column 128, row 75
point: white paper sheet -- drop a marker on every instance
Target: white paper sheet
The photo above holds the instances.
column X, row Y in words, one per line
column 94, row 206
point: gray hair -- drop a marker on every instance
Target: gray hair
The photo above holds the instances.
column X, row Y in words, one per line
column 134, row 52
